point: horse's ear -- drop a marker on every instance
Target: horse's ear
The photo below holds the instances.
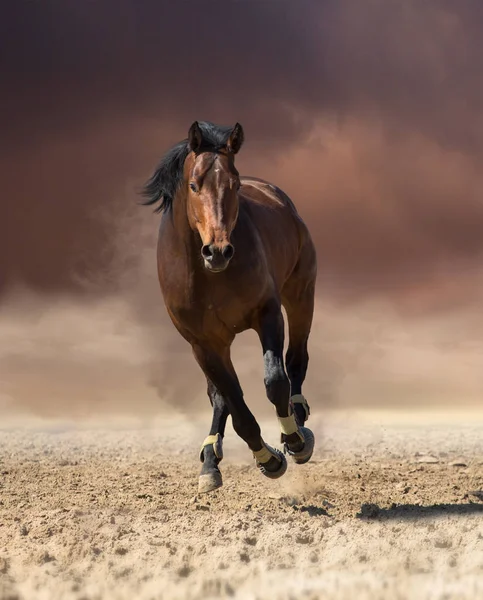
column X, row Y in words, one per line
column 195, row 137
column 236, row 139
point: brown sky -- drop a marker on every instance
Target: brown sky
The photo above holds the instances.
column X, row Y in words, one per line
column 369, row 113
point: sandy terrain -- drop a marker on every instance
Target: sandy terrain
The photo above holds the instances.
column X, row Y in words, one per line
column 382, row 511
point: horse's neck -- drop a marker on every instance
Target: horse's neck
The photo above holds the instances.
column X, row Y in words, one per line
column 184, row 235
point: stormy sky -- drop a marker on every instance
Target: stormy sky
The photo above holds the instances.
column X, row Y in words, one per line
column 368, row 113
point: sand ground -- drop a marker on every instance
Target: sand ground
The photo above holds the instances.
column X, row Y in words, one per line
column 388, row 508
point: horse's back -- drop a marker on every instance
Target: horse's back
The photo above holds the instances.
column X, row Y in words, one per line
column 269, row 203
column 283, row 232
column 262, row 192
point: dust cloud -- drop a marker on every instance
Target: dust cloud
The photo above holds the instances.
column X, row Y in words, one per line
column 65, row 359
column 398, row 321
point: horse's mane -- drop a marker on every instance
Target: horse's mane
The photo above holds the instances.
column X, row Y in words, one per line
column 167, row 178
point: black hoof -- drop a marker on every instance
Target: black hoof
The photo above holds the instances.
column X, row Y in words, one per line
column 208, row 482
column 275, row 467
column 303, row 456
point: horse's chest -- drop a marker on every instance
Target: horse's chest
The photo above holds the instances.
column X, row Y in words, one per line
column 230, row 310
column 233, row 315
column 207, row 310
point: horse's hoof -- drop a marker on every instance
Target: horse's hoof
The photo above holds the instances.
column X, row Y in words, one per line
column 274, row 474
column 303, row 456
column 209, row 482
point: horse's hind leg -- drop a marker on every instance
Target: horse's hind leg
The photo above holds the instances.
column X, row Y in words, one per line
column 212, row 448
column 298, row 301
column 299, row 316
column 298, row 297
column 299, row 441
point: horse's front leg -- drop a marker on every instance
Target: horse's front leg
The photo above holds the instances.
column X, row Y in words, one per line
column 212, row 448
column 299, row 441
column 218, row 368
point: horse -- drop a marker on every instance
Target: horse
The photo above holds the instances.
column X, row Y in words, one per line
column 231, row 252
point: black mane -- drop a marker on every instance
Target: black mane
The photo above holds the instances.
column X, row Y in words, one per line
column 167, row 178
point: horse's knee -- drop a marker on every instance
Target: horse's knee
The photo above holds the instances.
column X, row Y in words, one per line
column 277, row 383
column 278, row 388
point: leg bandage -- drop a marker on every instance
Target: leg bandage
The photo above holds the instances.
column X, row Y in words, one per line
column 263, row 455
column 300, row 399
column 217, row 442
column 288, row 425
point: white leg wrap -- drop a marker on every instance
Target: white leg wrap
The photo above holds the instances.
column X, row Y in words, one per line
column 217, row 442
column 300, row 399
column 263, row 455
column 288, row 424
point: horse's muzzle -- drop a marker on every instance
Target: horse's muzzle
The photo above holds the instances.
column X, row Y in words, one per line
column 217, row 258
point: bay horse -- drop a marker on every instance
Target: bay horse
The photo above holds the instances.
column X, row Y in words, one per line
column 231, row 252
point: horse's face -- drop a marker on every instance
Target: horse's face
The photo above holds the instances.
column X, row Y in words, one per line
column 212, row 205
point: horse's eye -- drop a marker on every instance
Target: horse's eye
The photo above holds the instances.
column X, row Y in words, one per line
column 193, row 187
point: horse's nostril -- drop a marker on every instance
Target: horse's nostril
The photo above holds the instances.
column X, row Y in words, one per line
column 207, row 252
column 228, row 252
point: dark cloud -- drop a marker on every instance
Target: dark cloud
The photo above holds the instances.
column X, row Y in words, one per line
column 96, row 91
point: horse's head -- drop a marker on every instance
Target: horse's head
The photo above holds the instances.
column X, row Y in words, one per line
column 212, row 194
